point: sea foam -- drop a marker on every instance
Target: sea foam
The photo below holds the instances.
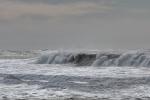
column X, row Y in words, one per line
column 101, row 58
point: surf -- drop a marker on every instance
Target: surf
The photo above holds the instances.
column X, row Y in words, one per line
column 98, row 58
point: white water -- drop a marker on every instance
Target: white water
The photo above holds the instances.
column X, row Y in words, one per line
column 61, row 79
column 99, row 58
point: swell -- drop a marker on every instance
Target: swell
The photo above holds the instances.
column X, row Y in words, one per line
column 128, row 58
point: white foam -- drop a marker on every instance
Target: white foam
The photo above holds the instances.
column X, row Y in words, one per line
column 32, row 92
column 74, row 71
column 102, row 58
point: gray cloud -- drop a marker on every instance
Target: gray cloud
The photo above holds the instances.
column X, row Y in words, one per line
column 99, row 24
column 54, row 1
column 12, row 9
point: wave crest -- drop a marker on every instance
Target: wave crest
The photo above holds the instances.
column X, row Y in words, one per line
column 128, row 58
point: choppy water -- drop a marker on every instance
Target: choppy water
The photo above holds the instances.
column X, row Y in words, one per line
column 75, row 75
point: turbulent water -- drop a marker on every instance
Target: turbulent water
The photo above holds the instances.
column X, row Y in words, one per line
column 75, row 75
column 97, row 58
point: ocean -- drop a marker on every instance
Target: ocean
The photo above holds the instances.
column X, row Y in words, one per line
column 75, row 75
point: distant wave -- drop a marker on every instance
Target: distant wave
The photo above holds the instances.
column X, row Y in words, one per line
column 99, row 58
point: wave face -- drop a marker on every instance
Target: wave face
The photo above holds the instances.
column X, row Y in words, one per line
column 100, row 58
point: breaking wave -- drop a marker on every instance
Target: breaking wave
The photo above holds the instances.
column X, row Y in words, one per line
column 98, row 58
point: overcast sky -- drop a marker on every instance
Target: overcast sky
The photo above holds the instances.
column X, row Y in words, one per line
column 92, row 24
